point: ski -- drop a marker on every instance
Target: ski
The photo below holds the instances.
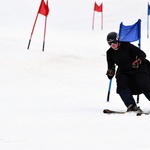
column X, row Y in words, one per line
column 108, row 111
column 142, row 113
column 138, row 113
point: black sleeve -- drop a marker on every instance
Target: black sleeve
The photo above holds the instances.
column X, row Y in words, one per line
column 110, row 62
column 137, row 52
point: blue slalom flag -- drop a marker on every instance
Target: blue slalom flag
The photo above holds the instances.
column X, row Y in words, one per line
column 130, row 33
column 148, row 9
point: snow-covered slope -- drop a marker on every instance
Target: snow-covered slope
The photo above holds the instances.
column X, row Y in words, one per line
column 54, row 99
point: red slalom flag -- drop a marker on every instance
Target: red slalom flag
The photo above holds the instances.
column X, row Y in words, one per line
column 98, row 8
column 43, row 9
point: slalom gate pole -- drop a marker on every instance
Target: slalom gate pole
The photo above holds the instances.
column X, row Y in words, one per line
column 44, row 34
column 32, row 31
column 93, row 20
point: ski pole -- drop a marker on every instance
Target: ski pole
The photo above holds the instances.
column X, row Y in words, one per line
column 109, row 88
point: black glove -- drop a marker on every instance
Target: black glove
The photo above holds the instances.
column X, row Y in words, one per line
column 110, row 73
column 136, row 63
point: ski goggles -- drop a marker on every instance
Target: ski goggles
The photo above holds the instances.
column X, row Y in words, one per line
column 113, row 42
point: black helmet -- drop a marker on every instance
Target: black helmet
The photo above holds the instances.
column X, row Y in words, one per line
column 112, row 37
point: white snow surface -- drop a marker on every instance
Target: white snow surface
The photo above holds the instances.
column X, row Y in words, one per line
column 54, row 100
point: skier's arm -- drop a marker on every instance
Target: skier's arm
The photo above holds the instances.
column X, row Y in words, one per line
column 139, row 56
column 137, row 53
column 111, row 67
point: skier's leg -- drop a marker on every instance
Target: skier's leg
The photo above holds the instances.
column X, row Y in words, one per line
column 143, row 82
column 147, row 95
column 127, row 97
column 123, row 84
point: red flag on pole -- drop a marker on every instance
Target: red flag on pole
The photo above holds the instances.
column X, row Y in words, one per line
column 98, row 8
column 43, row 9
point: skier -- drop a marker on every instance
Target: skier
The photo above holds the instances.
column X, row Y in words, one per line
column 132, row 75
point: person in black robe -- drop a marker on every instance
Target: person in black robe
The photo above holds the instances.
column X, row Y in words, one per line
column 132, row 73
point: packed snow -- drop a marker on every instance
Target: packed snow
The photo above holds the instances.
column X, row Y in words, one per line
column 54, row 100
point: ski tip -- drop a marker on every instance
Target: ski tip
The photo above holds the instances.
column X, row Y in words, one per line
column 143, row 113
column 106, row 111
